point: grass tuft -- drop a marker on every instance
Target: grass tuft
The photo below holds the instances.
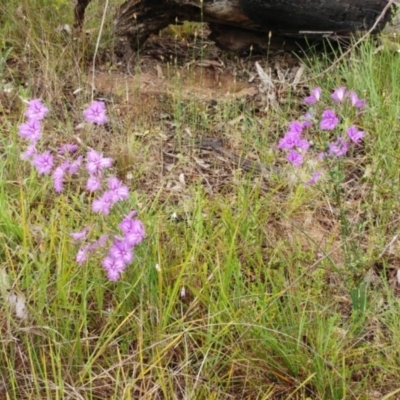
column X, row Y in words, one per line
column 244, row 287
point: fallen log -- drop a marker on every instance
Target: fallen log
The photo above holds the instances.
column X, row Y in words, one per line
column 239, row 24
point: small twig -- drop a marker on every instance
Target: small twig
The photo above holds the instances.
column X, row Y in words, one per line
column 98, row 44
column 359, row 41
column 389, row 245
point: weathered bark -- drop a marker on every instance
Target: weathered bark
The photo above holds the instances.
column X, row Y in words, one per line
column 294, row 16
column 79, row 12
column 138, row 19
column 239, row 24
column 240, row 40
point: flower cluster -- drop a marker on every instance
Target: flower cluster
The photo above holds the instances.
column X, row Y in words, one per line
column 295, row 142
column 93, row 166
column 120, row 252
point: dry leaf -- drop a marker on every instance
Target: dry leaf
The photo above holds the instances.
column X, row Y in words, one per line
column 281, row 75
column 266, row 80
column 268, row 87
column 201, row 163
column 18, row 305
column 297, row 77
column 236, row 120
column 80, row 126
column 15, row 301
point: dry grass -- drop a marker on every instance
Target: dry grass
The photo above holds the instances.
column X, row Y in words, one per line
column 249, row 285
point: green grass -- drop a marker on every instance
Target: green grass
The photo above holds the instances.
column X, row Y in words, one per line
column 248, row 294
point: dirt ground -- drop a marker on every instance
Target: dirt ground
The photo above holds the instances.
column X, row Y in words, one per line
column 170, row 72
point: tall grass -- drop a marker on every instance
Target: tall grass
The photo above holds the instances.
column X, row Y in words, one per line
column 242, row 294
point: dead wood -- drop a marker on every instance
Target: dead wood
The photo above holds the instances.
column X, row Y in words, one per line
column 240, row 24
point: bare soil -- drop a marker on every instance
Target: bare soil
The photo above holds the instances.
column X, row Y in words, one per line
column 169, row 74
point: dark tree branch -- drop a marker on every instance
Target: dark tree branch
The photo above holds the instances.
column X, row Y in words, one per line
column 79, row 12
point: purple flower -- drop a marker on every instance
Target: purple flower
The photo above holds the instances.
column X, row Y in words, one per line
column 114, row 267
column 307, row 120
column 296, row 127
column 65, row 165
column 354, row 134
column 339, row 94
column 100, row 242
column 58, row 178
column 75, row 165
column 68, row 148
column 295, row 158
column 338, row 148
column 81, row 256
column 355, row 101
column 43, row 163
column 103, row 204
column 130, row 215
column 29, row 152
column 110, row 262
column 113, row 275
column 58, row 185
column 126, row 224
column 93, row 184
column 96, row 113
column 133, row 230
column 79, row 235
column 95, row 162
column 314, row 178
column 30, row 130
column 118, row 189
column 329, row 120
column 303, row 144
column 36, row 110
column 289, row 141
column 315, row 96
column 122, row 250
